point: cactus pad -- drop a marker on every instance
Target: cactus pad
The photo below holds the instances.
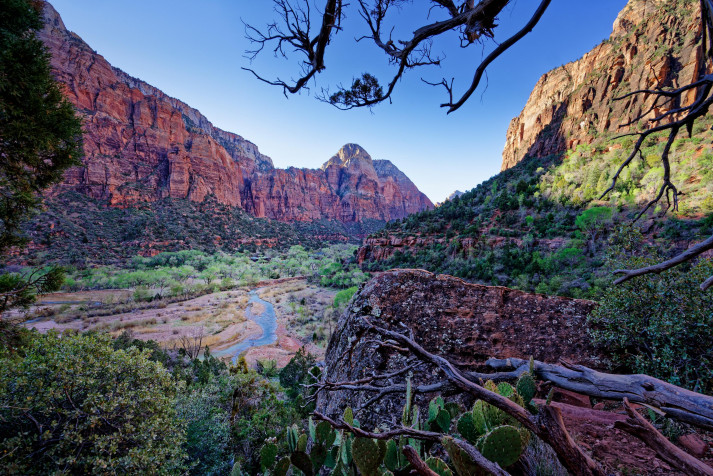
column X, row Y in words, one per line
column 302, row 442
column 439, row 467
column 348, row 416
column 503, row 445
column 466, row 427
column 479, row 417
column 366, row 456
column 505, row 389
column 526, row 387
column 282, row 467
column 302, row 462
column 443, row 420
column 460, row 459
column 268, row 453
column 391, row 459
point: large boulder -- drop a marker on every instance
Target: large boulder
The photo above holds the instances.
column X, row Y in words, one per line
column 467, row 323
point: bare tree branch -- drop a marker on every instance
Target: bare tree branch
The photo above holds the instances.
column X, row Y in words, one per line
column 687, row 255
column 638, row 426
column 547, row 424
column 418, row 464
column 675, row 402
column 504, row 46
column 471, row 20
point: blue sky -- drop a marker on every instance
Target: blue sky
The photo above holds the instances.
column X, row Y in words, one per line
column 194, row 51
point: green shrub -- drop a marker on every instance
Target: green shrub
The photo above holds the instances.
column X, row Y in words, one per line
column 73, row 402
column 660, row 325
column 343, row 297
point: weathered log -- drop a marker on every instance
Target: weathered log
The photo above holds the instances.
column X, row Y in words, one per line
column 638, row 426
column 675, row 402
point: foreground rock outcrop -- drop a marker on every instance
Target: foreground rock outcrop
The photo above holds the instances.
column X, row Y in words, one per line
column 467, row 323
column 142, row 146
column 654, row 43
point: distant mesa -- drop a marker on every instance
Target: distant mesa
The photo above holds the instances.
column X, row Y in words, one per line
column 142, row 146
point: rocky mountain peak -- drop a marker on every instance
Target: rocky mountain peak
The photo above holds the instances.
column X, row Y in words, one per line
column 348, row 155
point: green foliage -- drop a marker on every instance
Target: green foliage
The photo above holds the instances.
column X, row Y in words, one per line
column 363, row 90
column 72, row 401
column 594, row 217
column 95, row 234
column 21, row 289
column 540, row 226
column 502, row 445
column 205, row 411
column 299, row 371
column 659, row 324
column 258, row 413
column 344, row 296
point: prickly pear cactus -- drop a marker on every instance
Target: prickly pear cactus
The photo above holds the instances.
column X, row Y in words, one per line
column 439, row 467
column 459, row 458
column 367, row 456
column 282, row 467
column 268, row 453
column 526, row 387
column 503, row 445
column 467, row 428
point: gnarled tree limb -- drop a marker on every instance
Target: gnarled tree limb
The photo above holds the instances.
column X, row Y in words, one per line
column 547, row 424
column 675, row 402
column 687, row 255
column 638, row 426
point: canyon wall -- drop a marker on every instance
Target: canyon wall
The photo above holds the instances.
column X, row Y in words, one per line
column 654, row 43
column 142, row 146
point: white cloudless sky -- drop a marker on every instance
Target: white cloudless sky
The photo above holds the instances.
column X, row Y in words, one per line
column 194, row 51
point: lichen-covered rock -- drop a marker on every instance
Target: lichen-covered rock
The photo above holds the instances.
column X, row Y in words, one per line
column 467, row 323
column 142, row 145
column 654, row 43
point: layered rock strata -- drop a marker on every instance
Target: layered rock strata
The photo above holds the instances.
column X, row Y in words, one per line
column 654, row 44
column 142, row 146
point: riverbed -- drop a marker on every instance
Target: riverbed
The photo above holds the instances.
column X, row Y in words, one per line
column 267, row 320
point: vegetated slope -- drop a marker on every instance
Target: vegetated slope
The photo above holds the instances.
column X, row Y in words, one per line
column 81, row 231
column 144, row 146
column 538, row 226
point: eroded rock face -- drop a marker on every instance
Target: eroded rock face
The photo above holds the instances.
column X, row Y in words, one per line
column 466, row 323
column 654, row 43
column 142, row 145
column 349, row 187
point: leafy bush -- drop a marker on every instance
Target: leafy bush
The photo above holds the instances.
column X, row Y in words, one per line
column 74, row 402
column 660, row 325
column 205, row 410
column 343, row 297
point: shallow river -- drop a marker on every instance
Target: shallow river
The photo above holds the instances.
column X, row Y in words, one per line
column 267, row 322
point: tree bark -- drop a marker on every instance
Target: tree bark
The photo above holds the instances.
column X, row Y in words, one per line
column 676, row 402
column 638, row 426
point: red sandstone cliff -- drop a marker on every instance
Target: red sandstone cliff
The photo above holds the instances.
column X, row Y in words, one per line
column 142, row 145
column 654, row 43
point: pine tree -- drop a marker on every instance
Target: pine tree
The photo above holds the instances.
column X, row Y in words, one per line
column 40, row 137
